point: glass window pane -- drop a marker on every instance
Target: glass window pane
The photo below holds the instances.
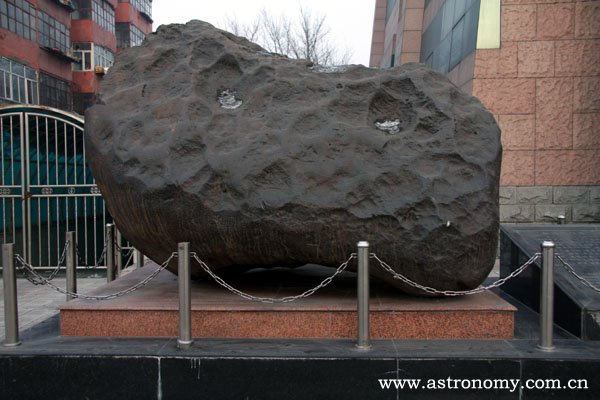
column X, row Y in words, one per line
column 460, row 8
column 31, row 73
column 456, row 51
column 447, row 17
column 88, row 60
column 2, row 86
column 15, row 88
column 22, row 90
column 4, row 64
column 17, row 68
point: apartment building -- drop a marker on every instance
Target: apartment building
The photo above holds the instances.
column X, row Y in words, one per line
column 55, row 52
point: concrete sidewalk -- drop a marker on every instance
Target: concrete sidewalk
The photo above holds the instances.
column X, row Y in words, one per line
column 38, row 303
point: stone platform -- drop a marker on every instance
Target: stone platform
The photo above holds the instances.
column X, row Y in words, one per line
column 576, row 306
column 330, row 313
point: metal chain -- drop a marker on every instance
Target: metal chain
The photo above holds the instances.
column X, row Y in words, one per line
column 269, row 300
column 570, row 269
column 54, row 271
column 431, row 290
column 44, row 281
column 102, row 256
column 97, row 263
column 129, row 259
column 60, row 261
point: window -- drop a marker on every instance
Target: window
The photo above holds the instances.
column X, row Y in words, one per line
column 451, row 36
column 83, row 101
column 91, row 55
column 128, row 35
column 122, row 34
column 143, row 6
column 52, row 33
column 83, row 52
column 103, row 57
column 104, row 15
column 18, row 16
column 18, row 83
column 136, row 36
column 54, row 92
column 98, row 10
column 83, row 9
column 389, row 9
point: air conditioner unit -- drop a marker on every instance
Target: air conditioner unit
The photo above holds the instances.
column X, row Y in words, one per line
column 100, row 70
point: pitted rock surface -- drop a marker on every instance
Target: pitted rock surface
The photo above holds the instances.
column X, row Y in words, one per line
column 263, row 161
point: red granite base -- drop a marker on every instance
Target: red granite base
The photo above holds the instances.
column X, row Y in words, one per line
column 330, row 313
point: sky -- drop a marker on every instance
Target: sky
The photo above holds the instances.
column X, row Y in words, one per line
column 350, row 21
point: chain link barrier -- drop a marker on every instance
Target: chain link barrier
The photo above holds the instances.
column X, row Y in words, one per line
column 570, row 269
column 96, row 264
column 128, row 254
column 34, row 277
column 270, row 300
column 37, row 279
column 479, row 289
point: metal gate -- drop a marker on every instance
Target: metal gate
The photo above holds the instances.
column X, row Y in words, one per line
column 47, row 188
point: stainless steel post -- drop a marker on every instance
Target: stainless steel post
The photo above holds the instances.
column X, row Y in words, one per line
column 71, row 265
column 547, row 296
column 139, row 259
column 118, row 252
column 11, row 311
column 110, row 252
column 364, row 341
column 185, row 299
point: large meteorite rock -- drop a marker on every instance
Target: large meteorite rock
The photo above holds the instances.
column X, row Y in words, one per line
column 260, row 160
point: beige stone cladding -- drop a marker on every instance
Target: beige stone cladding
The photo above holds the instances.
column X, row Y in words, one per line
column 543, row 86
column 400, row 38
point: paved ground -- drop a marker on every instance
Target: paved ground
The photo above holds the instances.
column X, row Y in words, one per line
column 38, row 303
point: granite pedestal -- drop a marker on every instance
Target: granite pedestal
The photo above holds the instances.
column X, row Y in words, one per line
column 330, row 313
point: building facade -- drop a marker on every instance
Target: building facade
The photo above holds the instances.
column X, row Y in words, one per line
column 55, row 52
column 535, row 65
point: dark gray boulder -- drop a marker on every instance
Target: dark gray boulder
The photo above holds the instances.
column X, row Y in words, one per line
column 260, row 160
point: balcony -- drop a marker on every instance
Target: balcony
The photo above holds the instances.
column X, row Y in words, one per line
column 146, row 17
column 66, row 4
column 69, row 57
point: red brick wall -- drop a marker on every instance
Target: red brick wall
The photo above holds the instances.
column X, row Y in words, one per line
column 543, row 86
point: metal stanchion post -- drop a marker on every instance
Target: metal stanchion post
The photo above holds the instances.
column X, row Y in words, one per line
column 110, row 252
column 364, row 342
column 547, row 296
column 71, row 265
column 139, row 259
column 11, row 311
column 185, row 307
column 118, row 252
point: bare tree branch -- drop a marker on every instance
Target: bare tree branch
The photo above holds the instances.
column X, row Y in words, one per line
column 305, row 38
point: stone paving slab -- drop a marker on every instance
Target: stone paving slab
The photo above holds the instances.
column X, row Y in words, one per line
column 38, row 303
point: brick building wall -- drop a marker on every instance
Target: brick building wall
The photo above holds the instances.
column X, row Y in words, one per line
column 543, row 86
